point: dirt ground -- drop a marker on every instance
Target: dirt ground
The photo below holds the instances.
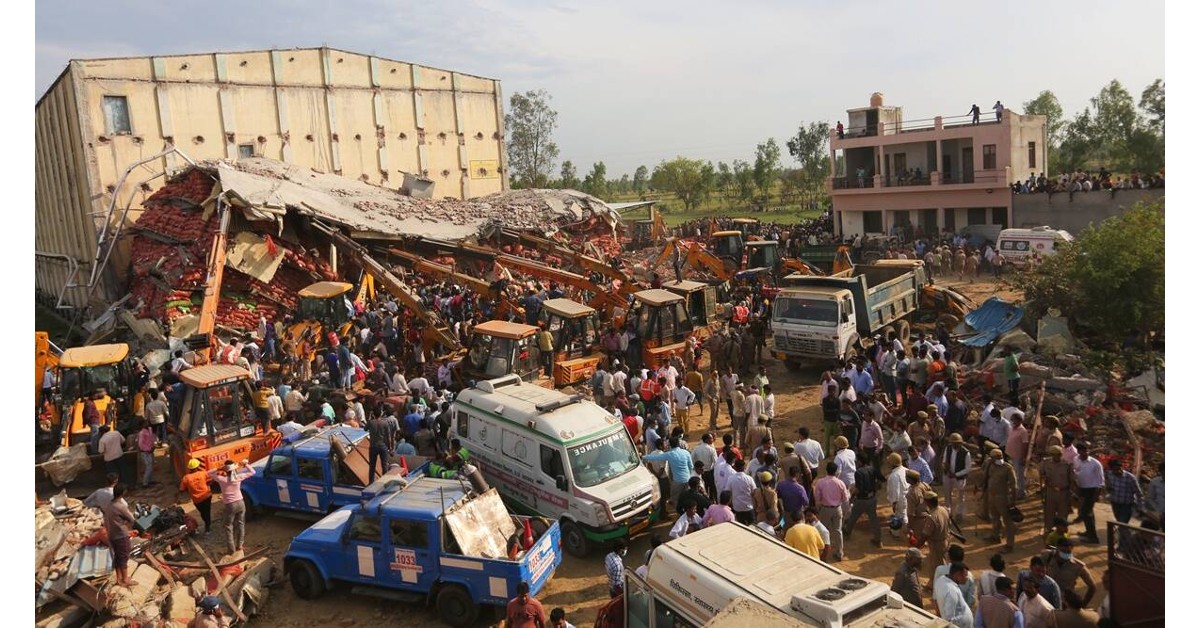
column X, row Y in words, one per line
column 579, row 585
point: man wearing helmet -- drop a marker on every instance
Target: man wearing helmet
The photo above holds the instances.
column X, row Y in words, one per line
column 209, row 614
column 195, row 483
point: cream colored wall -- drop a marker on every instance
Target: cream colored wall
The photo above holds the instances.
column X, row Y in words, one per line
column 364, row 125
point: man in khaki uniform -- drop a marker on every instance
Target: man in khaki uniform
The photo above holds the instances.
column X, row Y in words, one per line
column 918, row 513
column 1047, row 436
column 1057, row 481
column 1001, row 490
column 935, row 531
column 981, row 486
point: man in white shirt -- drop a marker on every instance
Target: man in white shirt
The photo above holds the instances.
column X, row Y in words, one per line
column 419, row 386
column 952, row 605
column 274, row 407
column 769, row 402
column 1089, row 477
column 897, row 489
column 722, row 472
column 111, row 447
column 289, row 427
column 704, row 453
column 293, row 404
column 809, row 450
column 619, row 377
column 689, row 521
column 742, row 487
column 754, row 406
column 682, row 398
column 399, row 384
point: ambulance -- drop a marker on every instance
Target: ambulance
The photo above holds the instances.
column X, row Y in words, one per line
column 558, row 456
column 1018, row 246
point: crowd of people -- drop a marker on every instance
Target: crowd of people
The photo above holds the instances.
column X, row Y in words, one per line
column 1088, row 181
column 896, row 423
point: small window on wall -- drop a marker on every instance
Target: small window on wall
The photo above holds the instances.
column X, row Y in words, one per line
column 245, row 151
column 989, row 156
column 1033, row 154
column 116, row 116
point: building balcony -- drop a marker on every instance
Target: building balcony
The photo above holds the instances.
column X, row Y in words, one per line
column 935, row 181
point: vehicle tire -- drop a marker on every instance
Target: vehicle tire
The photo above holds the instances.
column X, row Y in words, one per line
column 573, row 539
column 306, row 580
column 455, row 606
column 793, row 365
column 252, row 510
column 870, row 257
column 903, row 331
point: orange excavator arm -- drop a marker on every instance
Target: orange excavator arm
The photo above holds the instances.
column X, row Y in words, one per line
column 438, row 328
column 212, row 282
column 442, row 271
column 604, row 301
column 586, row 262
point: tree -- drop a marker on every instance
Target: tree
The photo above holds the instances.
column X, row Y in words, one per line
column 530, row 123
column 640, row 179
column 1046, row 104
column 1116, row 122
column 687, row 179
column 624, row 185
column 595, row 182
column 743, row 180
column 570, row 178
column 766, row 171
column 807, row 147
column 1077, row 143
column 1154, row 103
column 723, row 178
column 1111, row 281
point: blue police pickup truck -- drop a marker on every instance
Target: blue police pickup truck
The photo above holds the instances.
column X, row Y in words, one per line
column 317, row 470
column 430, row 540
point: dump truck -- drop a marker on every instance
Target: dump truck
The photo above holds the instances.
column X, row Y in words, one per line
column 824, row 318
column 706, row 578
column 426, row 540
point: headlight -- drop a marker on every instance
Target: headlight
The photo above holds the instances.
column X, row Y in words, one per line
column 655, row 493
column 601, row 512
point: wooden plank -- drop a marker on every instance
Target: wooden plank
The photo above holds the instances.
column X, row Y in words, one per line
column 220, row 585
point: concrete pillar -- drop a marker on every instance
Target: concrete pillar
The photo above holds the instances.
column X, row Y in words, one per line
column 937, row 123
column 941, row 219
column 879, row 165
column 935, row 177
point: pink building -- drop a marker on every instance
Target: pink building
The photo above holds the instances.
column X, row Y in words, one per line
column 938, row 173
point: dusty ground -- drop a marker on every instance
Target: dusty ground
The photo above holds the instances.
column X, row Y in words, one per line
column 579, row 586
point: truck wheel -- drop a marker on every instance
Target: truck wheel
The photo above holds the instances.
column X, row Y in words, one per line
column 792, row 365
column 455, row 606
column 574, row 540
column 306, row 580
column 903, row 331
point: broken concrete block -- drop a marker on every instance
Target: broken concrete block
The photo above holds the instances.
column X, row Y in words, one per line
column 1074, row 383
column 1018, row 340
column 1034, row 373
column 127, row 602
column 66, row 618
column 1140, row 421
column 181, row 604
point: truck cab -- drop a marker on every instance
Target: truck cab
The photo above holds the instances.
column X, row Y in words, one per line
column 575, row 329
column 217, row 422
column 662, row 322
column 422, row 539
column 317, row 470
column 729, row 246
column 102, row 372
column 559, row 456
column 703, row 579
column 701, row 302
column 823, row 318
column 499, row 348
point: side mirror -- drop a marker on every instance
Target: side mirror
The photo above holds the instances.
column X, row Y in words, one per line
column 560, row 482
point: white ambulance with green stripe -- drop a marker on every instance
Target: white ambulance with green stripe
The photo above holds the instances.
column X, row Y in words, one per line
column 556, row 455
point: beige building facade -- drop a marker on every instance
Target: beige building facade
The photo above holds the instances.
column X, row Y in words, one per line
column 360, row 116
column 935, row 174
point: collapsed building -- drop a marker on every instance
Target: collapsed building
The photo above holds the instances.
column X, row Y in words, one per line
column 274, row 250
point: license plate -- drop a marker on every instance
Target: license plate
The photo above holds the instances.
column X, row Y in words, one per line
column 639, row 526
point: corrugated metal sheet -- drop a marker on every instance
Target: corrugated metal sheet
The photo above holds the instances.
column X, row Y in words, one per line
column 994, row 318
column 93, row 561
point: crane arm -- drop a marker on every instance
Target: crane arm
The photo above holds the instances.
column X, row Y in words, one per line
column 586, row 262
column 392, row 283
column 606, row 300
column 215, row 276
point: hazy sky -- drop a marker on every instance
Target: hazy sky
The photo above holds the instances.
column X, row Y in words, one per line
column 638, row 82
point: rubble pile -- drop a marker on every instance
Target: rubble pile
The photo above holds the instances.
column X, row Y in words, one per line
column 170, row 249
column 73, row 570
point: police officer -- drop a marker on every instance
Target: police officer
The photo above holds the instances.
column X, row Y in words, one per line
column 1057, row 482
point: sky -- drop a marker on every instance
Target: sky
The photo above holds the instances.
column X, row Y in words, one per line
column 635, row 83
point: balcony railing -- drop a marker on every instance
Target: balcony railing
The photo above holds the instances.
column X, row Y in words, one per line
column 897, row 181
column 848, row 183
column 911, row 126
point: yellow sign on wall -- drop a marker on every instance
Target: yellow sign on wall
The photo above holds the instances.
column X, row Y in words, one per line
column 485, row 168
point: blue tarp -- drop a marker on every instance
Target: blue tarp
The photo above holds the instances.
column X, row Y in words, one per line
column 993, row 319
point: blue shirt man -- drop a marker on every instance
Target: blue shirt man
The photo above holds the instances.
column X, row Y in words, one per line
column 861, row 380
column 412, row 422
column 919, row 465
column 679, row 461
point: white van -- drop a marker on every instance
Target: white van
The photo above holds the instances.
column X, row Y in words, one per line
column 1018, row 245
column 558, row 456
